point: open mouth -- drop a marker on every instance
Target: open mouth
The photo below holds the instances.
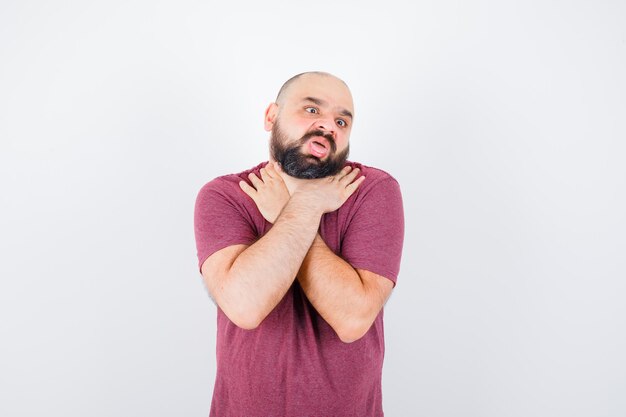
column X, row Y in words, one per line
column 319, row 147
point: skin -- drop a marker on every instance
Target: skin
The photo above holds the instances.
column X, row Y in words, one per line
column 247, row 282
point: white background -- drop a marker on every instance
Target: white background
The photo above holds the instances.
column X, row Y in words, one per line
column 503, row 121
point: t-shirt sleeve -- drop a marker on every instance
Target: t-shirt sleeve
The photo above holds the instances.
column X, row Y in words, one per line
column 220, row 219
column 375, row 234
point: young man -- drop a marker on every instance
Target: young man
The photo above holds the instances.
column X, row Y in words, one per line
column 300, row 254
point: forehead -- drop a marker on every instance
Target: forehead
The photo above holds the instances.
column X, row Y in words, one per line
column 326, row 88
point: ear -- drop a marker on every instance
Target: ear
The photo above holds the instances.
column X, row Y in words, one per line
column 270, row 116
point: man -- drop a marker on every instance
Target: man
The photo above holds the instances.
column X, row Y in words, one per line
column 300, row 254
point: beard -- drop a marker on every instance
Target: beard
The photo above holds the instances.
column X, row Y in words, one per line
column 297, row 164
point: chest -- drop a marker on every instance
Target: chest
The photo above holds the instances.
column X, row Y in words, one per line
column 333, row 228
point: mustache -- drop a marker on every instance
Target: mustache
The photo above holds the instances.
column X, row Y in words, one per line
column 327, row 136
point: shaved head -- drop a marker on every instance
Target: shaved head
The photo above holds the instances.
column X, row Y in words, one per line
column 310, row 124
column 284, row 89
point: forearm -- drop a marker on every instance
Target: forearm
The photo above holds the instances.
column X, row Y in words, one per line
column 336, row 291
column 261, row 274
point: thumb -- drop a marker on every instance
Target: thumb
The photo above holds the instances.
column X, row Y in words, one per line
column 248, row 189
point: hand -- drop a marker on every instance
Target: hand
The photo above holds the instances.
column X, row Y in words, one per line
column 269, row 193
column 328, row 194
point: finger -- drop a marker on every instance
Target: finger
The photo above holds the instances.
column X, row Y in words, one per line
column 271, row 172
column 344, row 171
column 351, row 188
column 275, row 172
column 248, row 189
column 348, row 178
column 256, row 182
column 265, row 175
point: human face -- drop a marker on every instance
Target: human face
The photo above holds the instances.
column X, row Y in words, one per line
column 300, row 164
column 311, row 126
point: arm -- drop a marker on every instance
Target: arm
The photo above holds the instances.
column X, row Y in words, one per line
column 247, row 282
column 348, row 299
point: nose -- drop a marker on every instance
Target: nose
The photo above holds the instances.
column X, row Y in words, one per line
column 326, row 125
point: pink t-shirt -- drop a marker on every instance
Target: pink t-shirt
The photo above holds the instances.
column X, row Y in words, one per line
column 294, row 364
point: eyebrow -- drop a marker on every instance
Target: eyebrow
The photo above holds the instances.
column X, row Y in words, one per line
column 319, row 102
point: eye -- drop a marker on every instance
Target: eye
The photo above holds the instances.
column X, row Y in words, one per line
column 310, row 110
column 342, row 123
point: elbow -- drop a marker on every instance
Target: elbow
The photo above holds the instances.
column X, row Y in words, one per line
column 241, row 313
column 352, row 333
column 244, row 319
column 348, row 339
column 245, row 323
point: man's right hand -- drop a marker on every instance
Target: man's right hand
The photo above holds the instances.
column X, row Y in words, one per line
column 328, row 194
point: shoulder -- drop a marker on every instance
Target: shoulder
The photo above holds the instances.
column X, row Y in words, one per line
column 222, row 200
column 375, row 179
column 227, row 185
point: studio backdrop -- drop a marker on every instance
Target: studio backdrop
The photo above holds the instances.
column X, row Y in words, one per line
column 503, row 122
